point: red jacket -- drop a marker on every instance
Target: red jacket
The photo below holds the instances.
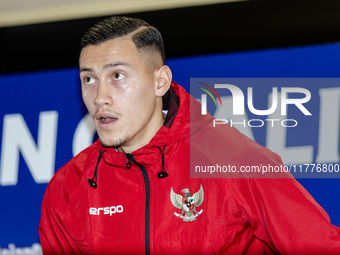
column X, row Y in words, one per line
column 133, row 211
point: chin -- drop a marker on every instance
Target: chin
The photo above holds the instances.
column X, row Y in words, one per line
column 112, row 142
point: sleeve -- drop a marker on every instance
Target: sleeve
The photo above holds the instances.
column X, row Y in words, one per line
column 289, row 219
column 54, row 236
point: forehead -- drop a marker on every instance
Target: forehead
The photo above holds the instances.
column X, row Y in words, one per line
column 118, row 49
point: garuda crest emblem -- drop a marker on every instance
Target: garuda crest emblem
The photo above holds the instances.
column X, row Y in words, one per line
column 187, row 203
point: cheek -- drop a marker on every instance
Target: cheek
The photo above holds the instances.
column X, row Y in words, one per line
column 85, row 98
column 142, row 94
column 141, row 104
column 88, row 100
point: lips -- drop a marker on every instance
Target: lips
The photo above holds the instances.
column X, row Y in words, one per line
column 105, row 118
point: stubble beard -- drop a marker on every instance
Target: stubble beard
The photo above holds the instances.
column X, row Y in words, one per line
column 115, row 142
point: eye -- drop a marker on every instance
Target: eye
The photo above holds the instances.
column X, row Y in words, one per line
column 118, row 76
column 89, row 80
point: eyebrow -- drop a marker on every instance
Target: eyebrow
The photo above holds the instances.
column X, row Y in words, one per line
column 85, row 69
column 115, row 64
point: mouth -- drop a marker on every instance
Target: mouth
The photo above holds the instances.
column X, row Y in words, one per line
column 105, row 119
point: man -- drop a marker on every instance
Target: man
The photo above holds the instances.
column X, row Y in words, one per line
column 131, row 192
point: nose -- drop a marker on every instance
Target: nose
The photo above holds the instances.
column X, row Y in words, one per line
column 103, row 96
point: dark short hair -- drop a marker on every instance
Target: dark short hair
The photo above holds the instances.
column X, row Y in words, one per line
column 148, row 38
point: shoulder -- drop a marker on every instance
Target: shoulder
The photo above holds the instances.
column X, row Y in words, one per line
column 73, row 175
column 230, row 143
column 76, row 166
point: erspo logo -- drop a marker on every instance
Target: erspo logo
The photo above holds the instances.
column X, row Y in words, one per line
column 106, row 210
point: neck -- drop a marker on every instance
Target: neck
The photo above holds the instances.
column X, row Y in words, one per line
column 143, row 139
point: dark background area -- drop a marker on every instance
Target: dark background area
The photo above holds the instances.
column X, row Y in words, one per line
column 219, row 28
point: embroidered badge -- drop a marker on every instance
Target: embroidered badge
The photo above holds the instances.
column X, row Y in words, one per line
column 187, row 203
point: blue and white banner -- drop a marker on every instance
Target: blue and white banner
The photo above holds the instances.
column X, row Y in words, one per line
column 44, row 123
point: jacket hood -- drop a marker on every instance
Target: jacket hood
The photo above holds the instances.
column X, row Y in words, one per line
column 183, row 117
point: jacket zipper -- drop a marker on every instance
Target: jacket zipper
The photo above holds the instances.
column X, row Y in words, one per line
column 130, row 158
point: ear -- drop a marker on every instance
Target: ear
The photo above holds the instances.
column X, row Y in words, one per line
column 163, row 80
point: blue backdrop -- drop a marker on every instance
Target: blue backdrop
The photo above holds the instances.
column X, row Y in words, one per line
column 42, row 118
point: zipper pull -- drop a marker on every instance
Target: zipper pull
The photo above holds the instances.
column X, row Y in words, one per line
column 129, row 158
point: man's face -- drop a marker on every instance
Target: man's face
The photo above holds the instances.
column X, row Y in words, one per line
column 120, row 93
